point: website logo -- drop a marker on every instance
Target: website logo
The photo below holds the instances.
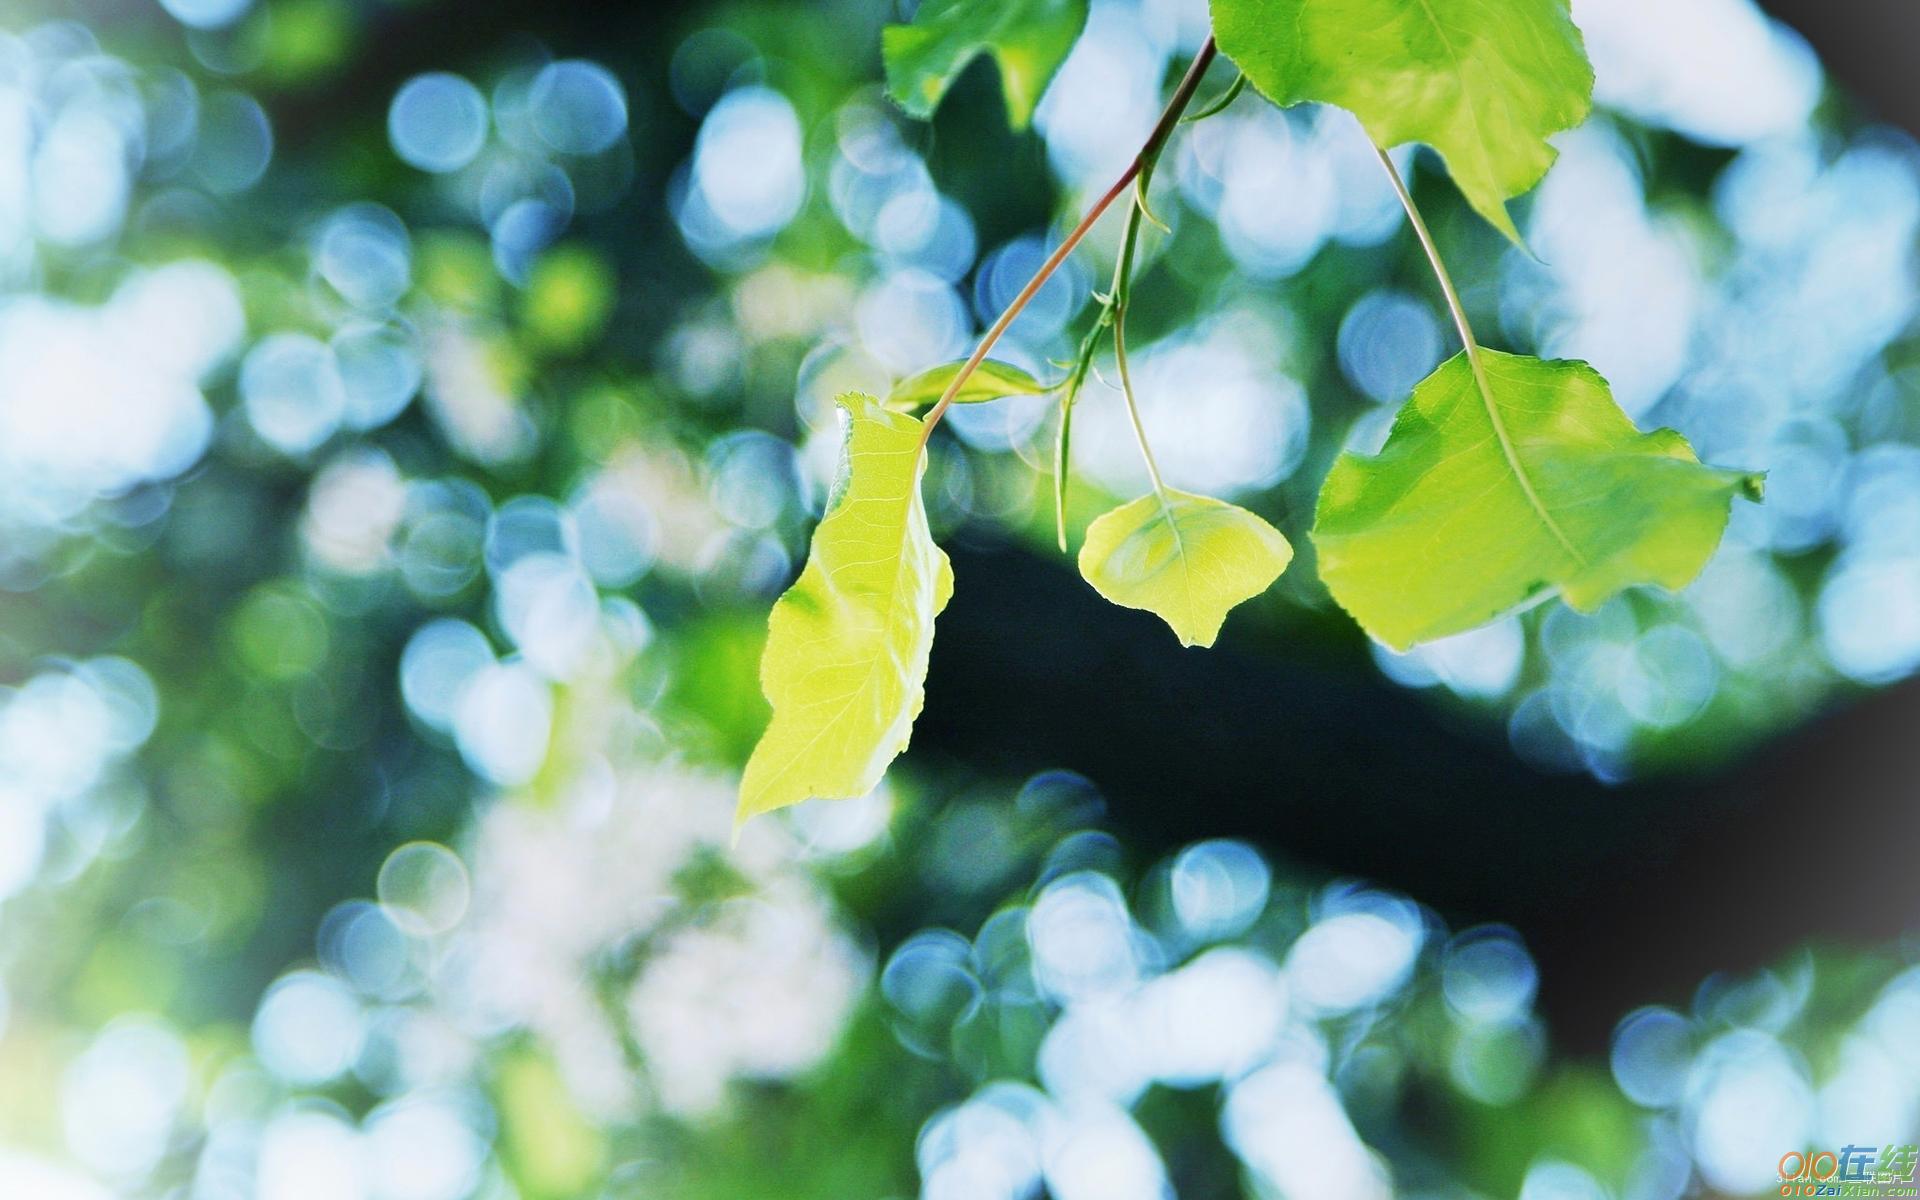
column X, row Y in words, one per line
column 1851, row 1171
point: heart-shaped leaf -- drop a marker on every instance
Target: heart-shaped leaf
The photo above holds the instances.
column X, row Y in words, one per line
column 1188, row 559
column 1483, row 500
column 1028, row 39
column 846, row 658
column 1484, row 82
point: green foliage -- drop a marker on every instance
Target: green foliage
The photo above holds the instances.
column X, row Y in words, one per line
column 1484, row 82
column 869, row 1128
column 456, row 270
column 716, row 679
column 599, row 484
column 297, row 41
column 847, row 645
column 279, row 634
column 552, row 1149
column 568, row 299
column 1505, row 478
column 1484, row 500
column 991, row 380
column 1028, row 40
column 1187, row 559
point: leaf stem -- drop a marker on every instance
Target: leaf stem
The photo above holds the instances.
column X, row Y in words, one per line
column 1069, row 393
column 1120, row 296
column 1472, row 347
column 1219, row 103
column 1133, row 406
column 1149, row 150
column 1454, row 306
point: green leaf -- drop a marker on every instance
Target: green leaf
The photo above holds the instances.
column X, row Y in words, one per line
column 1029, row 39
column 991, row 380
column 1188, row 559
column 846, row 656
column 1484, row 501
column 1484, row 82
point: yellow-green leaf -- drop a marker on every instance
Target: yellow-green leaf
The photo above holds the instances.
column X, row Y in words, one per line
column 846, row 658
column 1481, row 502
column 1028, row 40
column 1484, row 82
column 991, row 380
column 1187, row 559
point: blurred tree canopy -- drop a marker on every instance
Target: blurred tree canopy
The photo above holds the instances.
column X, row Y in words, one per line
column 409, row 412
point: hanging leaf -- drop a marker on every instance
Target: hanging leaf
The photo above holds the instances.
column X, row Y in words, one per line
column 1187, row 559
column 1483, row 501
column 846, row 656
column 1028, row 39
column 1484, row 82
column 991, row 380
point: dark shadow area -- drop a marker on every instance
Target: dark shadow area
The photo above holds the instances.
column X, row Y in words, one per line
column 1627, row 895
column 1866, row 47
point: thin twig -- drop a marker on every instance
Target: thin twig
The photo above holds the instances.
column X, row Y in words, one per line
column 1169, row 117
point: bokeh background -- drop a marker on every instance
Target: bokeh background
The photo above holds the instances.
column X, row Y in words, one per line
column 409, row 409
